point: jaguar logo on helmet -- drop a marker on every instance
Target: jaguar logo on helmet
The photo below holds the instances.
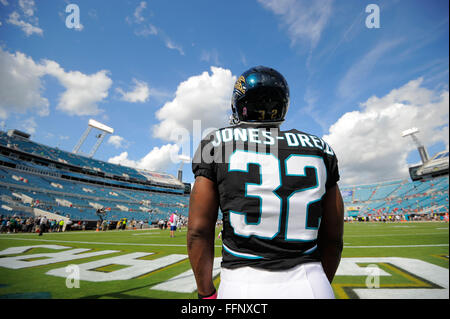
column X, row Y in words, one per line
column 260, row 96
column 239, row 84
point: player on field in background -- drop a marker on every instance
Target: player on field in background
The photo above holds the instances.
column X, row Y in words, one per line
column 282, row 208
column 173, row 224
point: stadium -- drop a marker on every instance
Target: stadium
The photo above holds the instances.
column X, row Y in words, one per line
column 423, row 197
column 41, row 180
column 394, row 225
column 102, row 104
column 401, row 200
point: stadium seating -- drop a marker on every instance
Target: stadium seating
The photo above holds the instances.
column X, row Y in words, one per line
column 46, row 152
column 397, row 197
column 26, row 183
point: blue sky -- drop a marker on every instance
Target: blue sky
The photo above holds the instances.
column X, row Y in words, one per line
column 150, row 68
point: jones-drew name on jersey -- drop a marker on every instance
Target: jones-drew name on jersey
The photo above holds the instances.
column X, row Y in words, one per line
column 269, row 137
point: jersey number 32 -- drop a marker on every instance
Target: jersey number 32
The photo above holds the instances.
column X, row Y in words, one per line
column 297, row 206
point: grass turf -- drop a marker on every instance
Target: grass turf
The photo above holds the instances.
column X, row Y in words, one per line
column 427, row 241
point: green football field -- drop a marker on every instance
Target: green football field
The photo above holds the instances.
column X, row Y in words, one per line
column 392, row 260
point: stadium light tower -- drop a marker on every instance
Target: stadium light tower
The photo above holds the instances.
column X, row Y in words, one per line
column 99, row 126
column 183, row 159
column 422, row 150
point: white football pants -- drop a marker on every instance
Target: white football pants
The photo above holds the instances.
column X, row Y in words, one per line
column 306, row 281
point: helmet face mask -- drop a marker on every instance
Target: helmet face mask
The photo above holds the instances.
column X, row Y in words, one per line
column 260, row 96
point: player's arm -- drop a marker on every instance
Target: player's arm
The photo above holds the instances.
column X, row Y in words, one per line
column 203, row 209
column 331, row 232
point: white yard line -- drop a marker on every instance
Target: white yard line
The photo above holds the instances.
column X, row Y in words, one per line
column 181, row 245
column 390, row 234
column 398, row 246
column 95, row 243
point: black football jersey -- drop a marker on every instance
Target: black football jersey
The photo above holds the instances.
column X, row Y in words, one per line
column 270, row 184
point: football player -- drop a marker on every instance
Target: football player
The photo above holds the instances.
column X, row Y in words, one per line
column 278, row 192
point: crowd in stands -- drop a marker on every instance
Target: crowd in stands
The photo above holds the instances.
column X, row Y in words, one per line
column 81, row 200
column 398, row 200
column 30, row 224
column 388, row 218
column 104, row 225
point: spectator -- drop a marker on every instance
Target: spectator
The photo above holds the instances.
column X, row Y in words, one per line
column 61, row 225
column 173, row 224
column 3, row 225
column 42, row 225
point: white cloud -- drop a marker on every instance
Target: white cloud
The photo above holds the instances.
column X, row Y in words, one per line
column 137, row 17
column 304, row 19
column 15, row 19
column 145, row 29
column 20, row 85
column 243, row 59
column 173, row 46
column 138, row 12
column 83, row 92
column 158, row 159
column 211, row 56
column 140, row 92
column 360, row 70
column 4, row 2
column 122, row 159
column 311, row 97
column 117, row 141
column 27, row 6
column 28, row 23
column 205, row 97
column 29, row 125
column 368, row 142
